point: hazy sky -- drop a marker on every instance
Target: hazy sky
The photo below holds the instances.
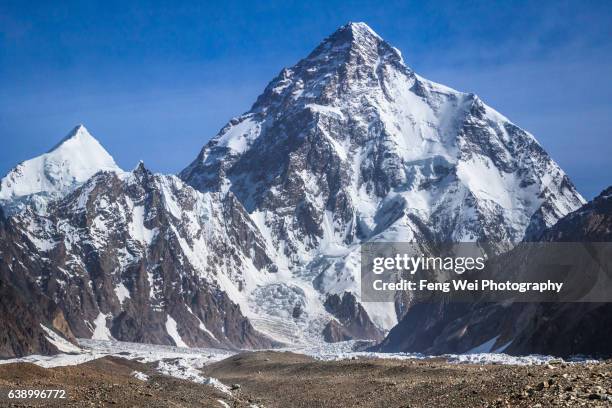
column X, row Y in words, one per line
column 156, row 80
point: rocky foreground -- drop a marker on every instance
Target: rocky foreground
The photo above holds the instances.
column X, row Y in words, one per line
column 273, row 379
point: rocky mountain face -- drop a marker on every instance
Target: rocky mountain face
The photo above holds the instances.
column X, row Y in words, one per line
column 20, row 329
column 562, row 329
column 257, row 241
column 352, row 321
column 30, row 322
column 573, row 328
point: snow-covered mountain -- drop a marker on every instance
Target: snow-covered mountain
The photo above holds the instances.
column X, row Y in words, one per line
column 69, row 164
column 350, row 145
column 258, row 239
column 128, row 255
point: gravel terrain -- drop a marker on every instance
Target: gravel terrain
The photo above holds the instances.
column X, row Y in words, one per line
column 283, row 379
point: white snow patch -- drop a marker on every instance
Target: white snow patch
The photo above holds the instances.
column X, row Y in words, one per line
column 171, row 328
column 201, row 325
column 101, row 331
column 213, row 382
column 485, row 347
column 239, row 137
column 140, row 376
column 169, row 198
column 138, row 231
column 59, row 342
column 122, row 292
column 327, row 110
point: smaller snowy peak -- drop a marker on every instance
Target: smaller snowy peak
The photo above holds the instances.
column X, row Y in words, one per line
column 69, row 164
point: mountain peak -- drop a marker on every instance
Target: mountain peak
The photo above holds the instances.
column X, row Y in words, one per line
column 359, row 30
column 79, row 130
column 344, row 63
column 72, row 161
column 351, row 35
column 78, row 134
column 81, row 149
column 605, row 194
column 140, row 169
column 354, row 116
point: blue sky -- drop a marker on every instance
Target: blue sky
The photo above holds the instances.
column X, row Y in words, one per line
column 155, row 80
